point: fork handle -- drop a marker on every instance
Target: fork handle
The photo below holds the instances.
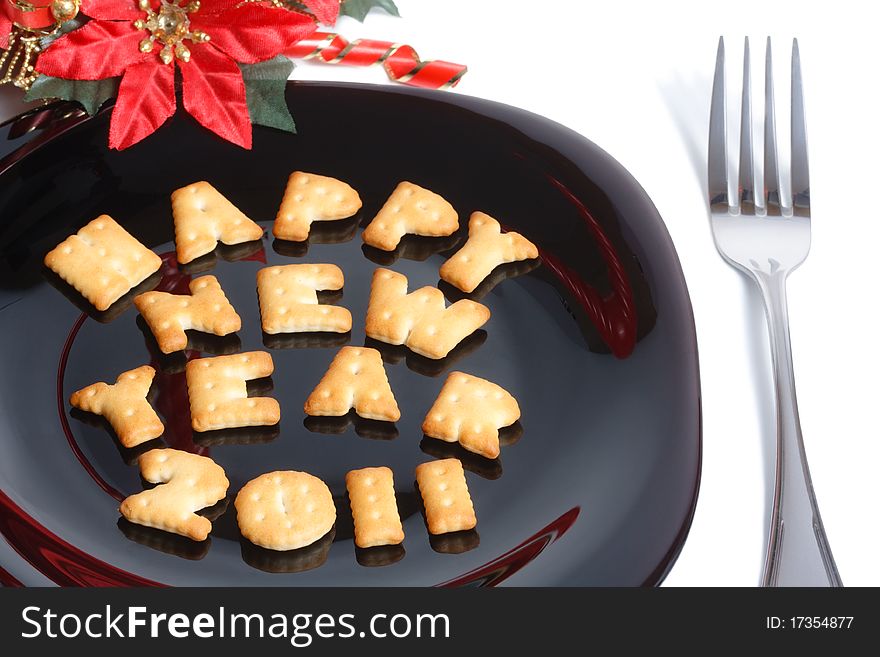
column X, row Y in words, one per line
column 798, row 553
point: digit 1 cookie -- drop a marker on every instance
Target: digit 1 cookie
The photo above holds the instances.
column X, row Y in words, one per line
column 471, row 410
column 448, row 506
column 285, row 510
column 169, row 316
column 309, row 198
column 124, row 405
column 202, row 216
column 289, row 299
column 189, row 482
column 102, row 261
column 410, row 210
column 374, row 507
column 420, row 319
column 218, row 396
column 355, row 379
column 485, row 249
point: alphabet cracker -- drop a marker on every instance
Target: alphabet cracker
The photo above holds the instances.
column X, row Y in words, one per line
column 102, row 261
column 169, row 316
column 410, row 210
column 189, row 483
column 124, row 404
column 308, row 198
column 470, row 410
column 202, row 217
column 218, row 392
column 486, row 248
column 285, row 510
column 355, row 379
column 374, row 507
column 420, row 319
column 289, row 299
column 448, row 506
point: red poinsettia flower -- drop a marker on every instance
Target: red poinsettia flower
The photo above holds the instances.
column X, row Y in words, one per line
column 144, row 41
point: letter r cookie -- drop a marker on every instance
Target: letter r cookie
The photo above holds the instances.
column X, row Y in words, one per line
column 448, row 506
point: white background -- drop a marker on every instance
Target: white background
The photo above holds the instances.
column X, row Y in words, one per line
column 635, row 78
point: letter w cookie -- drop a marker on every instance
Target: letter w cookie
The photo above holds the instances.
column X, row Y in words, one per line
column 420, row 320
column 470, row 410
column 169, row 316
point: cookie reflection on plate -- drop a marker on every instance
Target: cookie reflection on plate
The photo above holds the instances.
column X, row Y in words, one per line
column 313, row 340
column 321, row 232
column 156, row 539
column 454, row 542
column 479, row 465
column 432, row 367
column 129, row 455
column 382, row 555
column 414, row 247
column 499, row 274
column 289, row 561
column 229, row 253
column 196, row 341
column 115, row 310
column 372, row 429
column 237, row 436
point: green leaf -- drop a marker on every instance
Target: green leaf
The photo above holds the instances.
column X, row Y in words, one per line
column 358, row 9
column 265, row 83
column 91, row 94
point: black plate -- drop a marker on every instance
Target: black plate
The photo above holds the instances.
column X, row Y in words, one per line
column 596, row 486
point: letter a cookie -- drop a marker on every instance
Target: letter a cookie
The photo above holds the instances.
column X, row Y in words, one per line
column 202, row 217
column 356, row 379
column 374, row 507
column 486, row 248
column 471, row 410
column 169, row 316
column 448, row 506
column 410, row 210
column 124, row 404
column 189, row 482
column 218, row 396
column 289, row 299
column 308, row 198
column 420, row 320
column 102, row 261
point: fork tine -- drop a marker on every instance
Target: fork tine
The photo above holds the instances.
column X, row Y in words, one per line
column 718, row 188
column 771, row 165
column 746, row 164
column 800, row 170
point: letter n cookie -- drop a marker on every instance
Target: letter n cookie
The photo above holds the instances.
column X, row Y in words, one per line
column 285, row 510
column 420, row 319
column 374, row 507
column 218, row 396
column 189, row 483
column 124, row 404
column 410, row 210
column 289, row 299
column 448, row 506
column 102, row 261
column 202, row 217
column 486, row 248
column 470, row 410
column 309, row 198
column 169, row 316
column 356, row 380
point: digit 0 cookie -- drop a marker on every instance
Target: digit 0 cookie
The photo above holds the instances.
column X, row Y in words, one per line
column 102, row 261
column 486, row 248
column 285, row 510
column 309, row 198
column 410, row 210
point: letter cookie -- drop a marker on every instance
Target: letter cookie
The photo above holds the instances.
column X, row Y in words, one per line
column 189, row 483
column 410, row 210
column 355, row 379
column 485, row 249
column 218, row 392
column 285, row 510
column 420, row 320
column 448, row 506
column 289, row 299
column 102, row 261
column 471, row 410
column 125, row 405
column 202, row 217
column 169, row 316
column 374, row 507
column 308, row 198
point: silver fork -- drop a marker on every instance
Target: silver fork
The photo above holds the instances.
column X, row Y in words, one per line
column 763, row 229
